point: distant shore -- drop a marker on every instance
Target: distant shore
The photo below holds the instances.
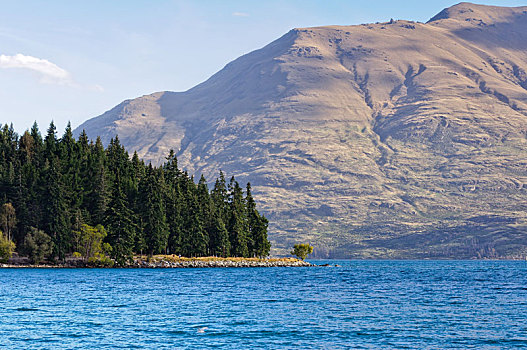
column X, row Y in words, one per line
column 172, row 261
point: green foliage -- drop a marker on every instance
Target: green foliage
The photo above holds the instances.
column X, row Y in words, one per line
column 100, row 260
column 193, row 241
column 302, row 250
column 238, row 223
column 56, row 208
column 37, row 245
column 219, row 236
column 66, row 187
column 7, row 219
column 7, row 248
column 89, row 241
column 260, row 246
column 155, row 228
column 120, row 225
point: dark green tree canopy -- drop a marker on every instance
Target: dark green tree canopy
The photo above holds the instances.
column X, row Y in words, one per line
column 59, row 185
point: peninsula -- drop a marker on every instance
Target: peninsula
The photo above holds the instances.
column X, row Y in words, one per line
column 66, row 200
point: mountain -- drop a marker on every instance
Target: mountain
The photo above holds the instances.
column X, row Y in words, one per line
column 386, row 140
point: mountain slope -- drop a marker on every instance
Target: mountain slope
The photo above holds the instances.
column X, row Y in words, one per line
column 395, row 139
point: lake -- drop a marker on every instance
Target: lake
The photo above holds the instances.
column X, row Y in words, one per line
column 362, row 305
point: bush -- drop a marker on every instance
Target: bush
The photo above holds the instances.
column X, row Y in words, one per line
column 37, row 245
column 302, row 250
column 100, row 260
column 90, row 246
column 6, row 248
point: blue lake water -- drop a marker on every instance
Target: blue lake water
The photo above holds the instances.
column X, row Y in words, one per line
column 362, row 305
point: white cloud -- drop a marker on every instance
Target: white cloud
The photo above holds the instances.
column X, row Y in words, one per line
column 48, row 72
column 240, row 14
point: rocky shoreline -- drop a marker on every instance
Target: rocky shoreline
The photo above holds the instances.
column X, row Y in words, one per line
column 219, row 263
column 170, row 262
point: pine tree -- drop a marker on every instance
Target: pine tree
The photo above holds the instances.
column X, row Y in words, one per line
column 174, row 206
column 205, row 211
column 238, row 225
column 192, row 241
column 57, row 210
column 220, row 198
column 71, row 158
column 97, row 184
column 58, row 185
column 136, row 201
column 172, row 173
column 174, row 202
column 37, row 138
column 51, row 142
column 119, row 224
column 154, row 218
column 219, row 236
column 260, row 245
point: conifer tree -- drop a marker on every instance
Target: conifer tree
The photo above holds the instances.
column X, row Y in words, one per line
column 238, row 226
column 58, row 185
column 136, row 201
column 70, row 159
column 50, row 142
column 97, row 183
column 174, row 202
column 205, row 210
column 193, row 242
column 219, row 236
column 172, row 173
column 220, row 198
column 119, row 224
column 57, row 210
column 37, row 138
column 154, row 219
column 258, row 224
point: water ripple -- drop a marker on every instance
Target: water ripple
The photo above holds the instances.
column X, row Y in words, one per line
column 362, row 305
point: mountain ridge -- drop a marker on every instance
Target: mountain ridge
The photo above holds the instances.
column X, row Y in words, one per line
column 358, row 138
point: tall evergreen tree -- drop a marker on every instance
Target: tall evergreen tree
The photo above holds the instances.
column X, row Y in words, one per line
column 57, row 210
column 51, row 142
column 205, row 211
column 192, row 241
column 174, row 202
column 154, row 218
column 238, row 225
column 219, row 236
column 220, row 198
column 71, row 158
column 119, row 224
column 258, row 224
column 136, row 201
column 98, row 191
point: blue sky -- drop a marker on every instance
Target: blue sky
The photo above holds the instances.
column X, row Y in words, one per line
column 73, row 60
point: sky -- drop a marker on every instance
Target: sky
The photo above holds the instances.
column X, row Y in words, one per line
column 73, row 60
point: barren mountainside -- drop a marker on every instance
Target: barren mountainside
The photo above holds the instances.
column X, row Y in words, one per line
column 399, row 139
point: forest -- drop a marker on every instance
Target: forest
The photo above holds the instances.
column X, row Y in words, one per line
column 62, row 197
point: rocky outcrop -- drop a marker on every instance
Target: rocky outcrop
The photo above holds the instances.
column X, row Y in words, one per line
column 177, row 263
column 221, row 263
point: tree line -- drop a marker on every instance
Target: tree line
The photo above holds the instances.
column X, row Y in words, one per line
column 60, row 187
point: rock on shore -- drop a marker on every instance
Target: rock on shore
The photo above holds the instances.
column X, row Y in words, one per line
column 217, row 262
column 167, row 261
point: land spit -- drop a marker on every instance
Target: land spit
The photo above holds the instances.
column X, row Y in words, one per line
column 172, row 261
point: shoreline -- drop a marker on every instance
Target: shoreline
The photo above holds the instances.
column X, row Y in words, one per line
column 163, row 262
